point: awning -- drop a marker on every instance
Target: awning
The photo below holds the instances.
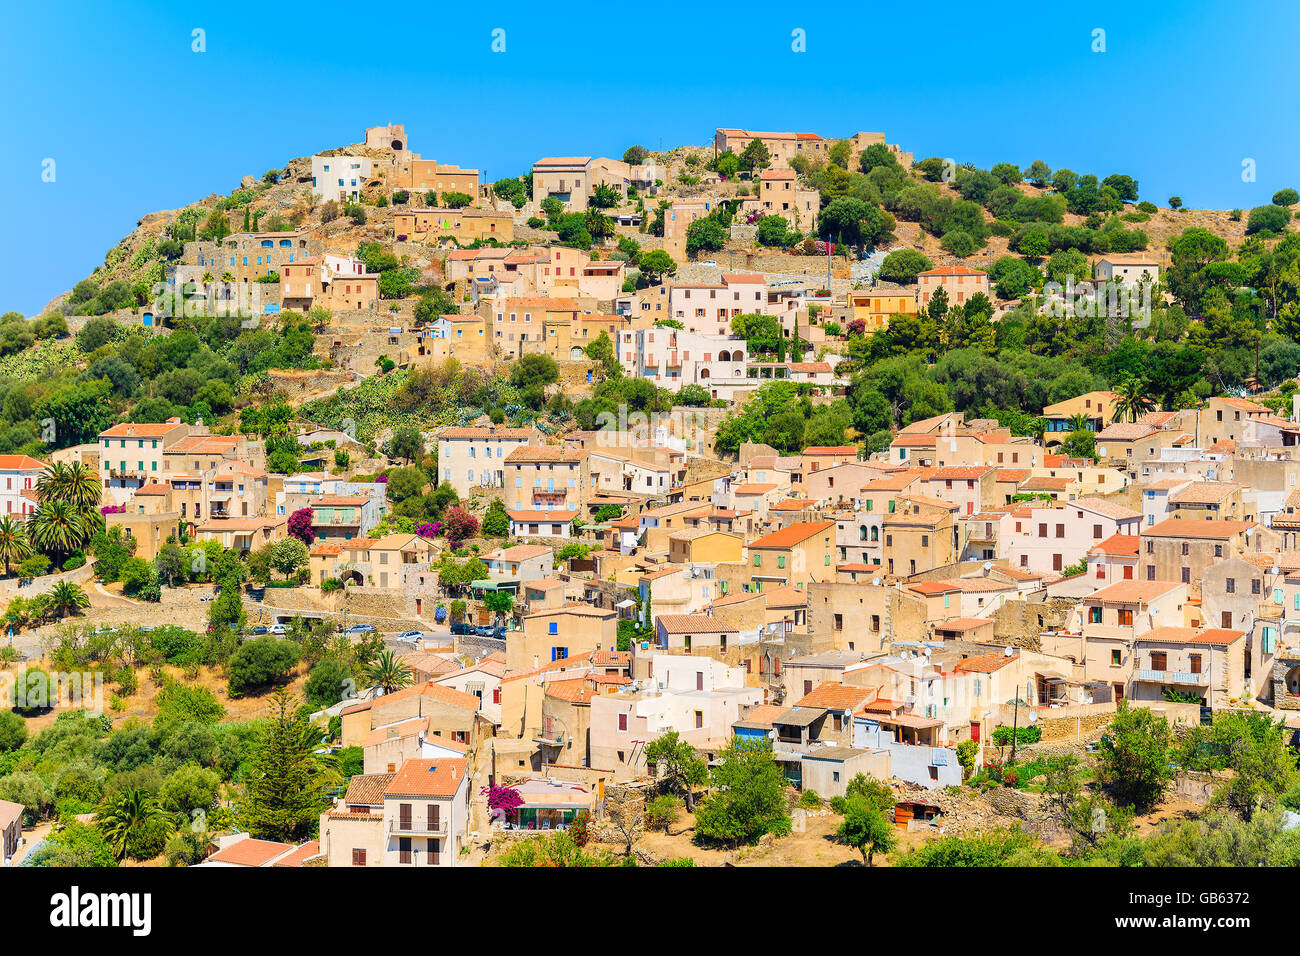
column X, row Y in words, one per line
column 911, row 720
column 622, row 604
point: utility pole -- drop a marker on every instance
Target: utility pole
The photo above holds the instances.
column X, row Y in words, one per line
column 1015, row 721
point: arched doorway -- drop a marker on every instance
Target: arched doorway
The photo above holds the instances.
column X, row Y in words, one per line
column 1293, row 681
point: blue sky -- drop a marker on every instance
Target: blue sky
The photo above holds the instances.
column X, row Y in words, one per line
column 136, row 122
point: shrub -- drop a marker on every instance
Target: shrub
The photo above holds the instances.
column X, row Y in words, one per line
column 579, row 829
column 661, row 812
column 261, row 662
column 34, row 566
column 1267, row 219
column 1024, row 735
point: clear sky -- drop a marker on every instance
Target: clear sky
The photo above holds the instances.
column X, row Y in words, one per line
column 135, row 121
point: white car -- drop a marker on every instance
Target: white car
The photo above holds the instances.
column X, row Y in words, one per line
column 412, row 637
column 277, row 629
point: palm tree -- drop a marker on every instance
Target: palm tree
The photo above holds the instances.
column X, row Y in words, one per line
column 58, row 526
column 76, row 484
column 389, row 673
column 13, row 542
column 1080, row 422
column 1134, row 400
column 128, row 816
column 66, row 598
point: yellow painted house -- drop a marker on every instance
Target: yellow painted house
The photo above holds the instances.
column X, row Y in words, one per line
column 705, row 547
column 875, row 307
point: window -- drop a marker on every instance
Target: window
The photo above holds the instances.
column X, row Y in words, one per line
column 553, row 628
column 358, row 857
column 1194, row 663
column 1159, row 661
column 622, row 723
column 559, row 653
column 1094, row 615
column 1125, row 617
column 1231, row 585
column 1115, row 657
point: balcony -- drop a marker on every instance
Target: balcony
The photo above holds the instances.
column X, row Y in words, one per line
column 336, row 521
column 416, row 828
column 1174, row 677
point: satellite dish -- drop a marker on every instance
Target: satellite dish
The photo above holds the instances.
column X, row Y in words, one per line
column 875, row 582
column 1033, row 718
column 988, row 565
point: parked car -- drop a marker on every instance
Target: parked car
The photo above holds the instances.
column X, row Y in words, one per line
column 413, row 637
column 257, row 629
column 360, row 629
column 277, row 629
column 460, row 627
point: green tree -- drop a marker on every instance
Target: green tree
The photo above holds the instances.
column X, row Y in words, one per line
column 678, row 764
column 903, row 266
column 76, row 845
column 14, row 546
column 260, row 662
column 13, row 731
column 1254, row 748
column 748, row 799
column 500, row 603
column 288, row 555
column 656, row 264
column 1038, row 173
column 1134, row 399
column 285, row 790
column 1267, row 220
column 866, row 829
column 496, row 523
column 66, row 598
column 135, row 823
column 328, row 683
column 705, row 235
column 755, row 156
column 1135, row 756
column 390, row 673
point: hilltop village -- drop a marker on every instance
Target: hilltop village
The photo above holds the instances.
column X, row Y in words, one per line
column 782, row 500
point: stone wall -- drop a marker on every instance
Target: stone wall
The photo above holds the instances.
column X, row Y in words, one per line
column 1199, row 786
column 1021, row 623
